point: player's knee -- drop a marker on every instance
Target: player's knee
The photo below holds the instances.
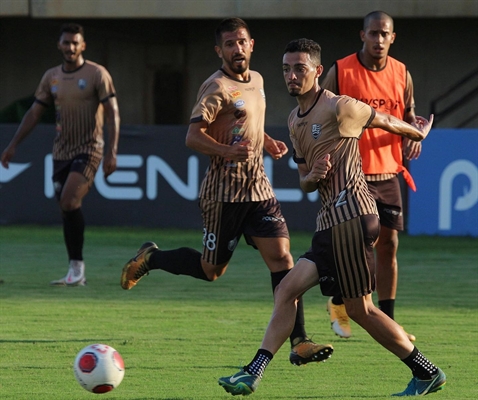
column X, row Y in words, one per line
column 358, row 310
column 214, row 272
column 280, row 262
column 388, row 244
column 69, row 205
column 284, row 293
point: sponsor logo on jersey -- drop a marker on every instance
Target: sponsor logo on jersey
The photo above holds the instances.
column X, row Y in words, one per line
column 239, row 103
column 82, row 83
column 54, row 85
column 232, row 88
column 384, row 105
column 316, row 130
column 240, row 114
column 237, row 130
column 236, row 94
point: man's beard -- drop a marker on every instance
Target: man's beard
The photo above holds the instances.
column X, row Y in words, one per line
column 239, row 69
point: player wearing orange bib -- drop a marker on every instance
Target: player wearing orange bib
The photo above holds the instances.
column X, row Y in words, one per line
column 384, row 83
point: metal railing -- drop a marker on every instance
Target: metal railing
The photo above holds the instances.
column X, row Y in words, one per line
column 457, row 104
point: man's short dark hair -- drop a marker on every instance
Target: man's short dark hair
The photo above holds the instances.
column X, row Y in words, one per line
column 72, row 28
column 305, row 46
column 376, row 15
column 230, row 25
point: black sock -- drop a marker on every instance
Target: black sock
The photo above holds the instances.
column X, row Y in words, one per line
column 182, row 261
column 337, row 300
column 298, row 332
column 421, row 367
column 259, row 363
column 388, row 307
column 73, row 232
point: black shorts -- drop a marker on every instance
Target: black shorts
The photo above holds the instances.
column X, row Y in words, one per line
column 83, row 163
column 225, row 223
column 388, row 197
column 344, row 257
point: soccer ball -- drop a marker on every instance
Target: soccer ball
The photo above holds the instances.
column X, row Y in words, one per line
column 99, row 368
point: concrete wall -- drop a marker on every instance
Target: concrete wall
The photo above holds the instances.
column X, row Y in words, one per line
column 246, row 8
column 438, row 52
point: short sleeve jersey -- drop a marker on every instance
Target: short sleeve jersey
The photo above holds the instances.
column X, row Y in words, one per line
column 333, row 126
column 234, row 110
column 77, row 96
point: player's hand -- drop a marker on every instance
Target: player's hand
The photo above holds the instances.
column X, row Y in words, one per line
column 411, row 149
column 109, row 164
column 423, row 124
column 241, row 151
column 7, row 155
column 320, row 169
column 276, row 148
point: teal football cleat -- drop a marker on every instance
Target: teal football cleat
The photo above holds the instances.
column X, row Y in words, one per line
column 418, row 387
column 241, row 383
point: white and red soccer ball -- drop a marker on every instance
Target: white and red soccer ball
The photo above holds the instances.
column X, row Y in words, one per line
column 99, row 368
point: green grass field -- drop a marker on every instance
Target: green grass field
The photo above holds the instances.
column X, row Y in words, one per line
column 178, row 335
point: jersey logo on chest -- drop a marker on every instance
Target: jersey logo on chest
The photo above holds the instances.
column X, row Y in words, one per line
column 316, row 130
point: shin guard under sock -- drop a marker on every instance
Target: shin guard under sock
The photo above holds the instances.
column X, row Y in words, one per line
column 182, row 261
column 421, row 367
column 73, row 232
column 387, row 307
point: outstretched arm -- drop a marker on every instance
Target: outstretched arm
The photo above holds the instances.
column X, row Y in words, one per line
column 29, row 121
column 416, row 132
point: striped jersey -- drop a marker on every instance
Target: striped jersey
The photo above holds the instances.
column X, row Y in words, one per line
column 234, row 110
column 333, row 126
column 77, row 96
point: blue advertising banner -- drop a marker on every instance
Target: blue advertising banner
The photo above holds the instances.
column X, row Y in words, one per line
column 446, row 175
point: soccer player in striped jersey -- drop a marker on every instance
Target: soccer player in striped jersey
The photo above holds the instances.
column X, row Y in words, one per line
column 324, row 130
column 83, row 94
column 236, row 197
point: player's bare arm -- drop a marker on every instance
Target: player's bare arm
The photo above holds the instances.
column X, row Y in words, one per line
column 29, row 121
column 198, row 140
column 309, row 178
column 416, row 132
column 113, row 123
column 276, row 148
